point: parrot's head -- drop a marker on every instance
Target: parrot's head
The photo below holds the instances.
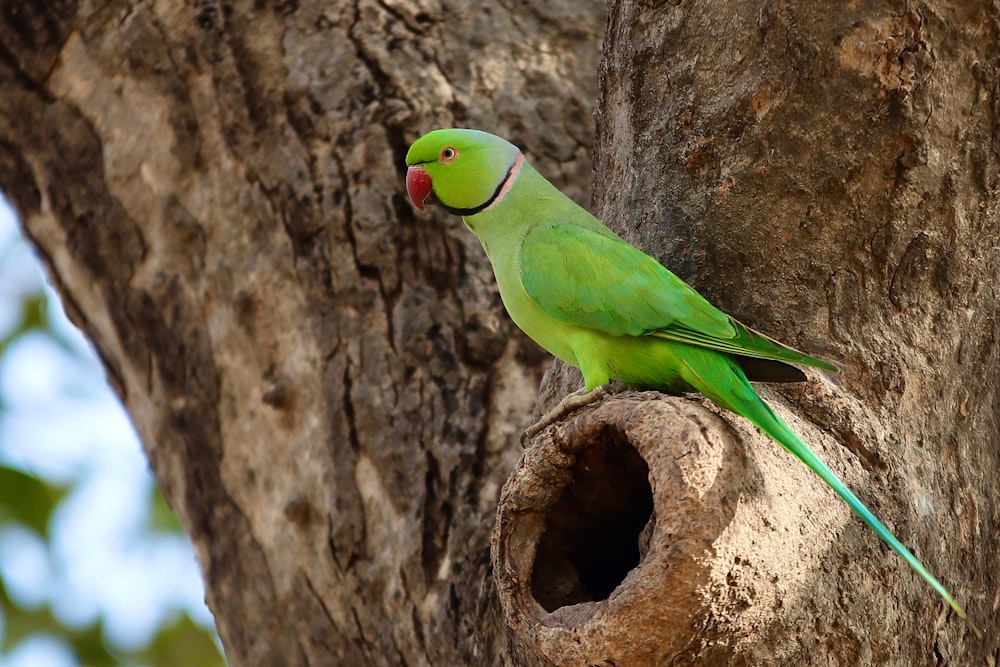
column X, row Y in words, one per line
column 463, row 170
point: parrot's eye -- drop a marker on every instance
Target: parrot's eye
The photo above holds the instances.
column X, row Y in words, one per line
column 448, row 154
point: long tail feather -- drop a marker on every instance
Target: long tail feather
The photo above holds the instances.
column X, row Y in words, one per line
column 744, row 401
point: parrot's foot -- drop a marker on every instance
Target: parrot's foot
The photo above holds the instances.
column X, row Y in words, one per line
column 574, row 401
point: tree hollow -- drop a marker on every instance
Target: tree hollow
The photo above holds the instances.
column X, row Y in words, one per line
column 605, row 528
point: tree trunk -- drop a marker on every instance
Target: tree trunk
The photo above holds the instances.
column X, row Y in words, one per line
column 830, row 178
column 331, row 396
column 325, row 383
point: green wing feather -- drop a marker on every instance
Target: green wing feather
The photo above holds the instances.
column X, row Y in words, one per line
column 596, row 280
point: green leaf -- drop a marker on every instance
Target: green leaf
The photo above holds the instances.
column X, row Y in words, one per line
column 161, row 519
column 34, row 313
column 90, row 648
column 182, row 643
column 28, row 500
column 20, row 623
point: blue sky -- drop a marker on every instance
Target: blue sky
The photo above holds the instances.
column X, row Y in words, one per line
column 60, row 420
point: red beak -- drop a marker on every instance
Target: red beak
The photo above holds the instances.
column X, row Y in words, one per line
column 418, row 186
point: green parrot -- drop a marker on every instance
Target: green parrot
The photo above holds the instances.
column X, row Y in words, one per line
column 606, row 307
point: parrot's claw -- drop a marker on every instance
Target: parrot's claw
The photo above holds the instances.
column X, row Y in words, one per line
column 571, row 402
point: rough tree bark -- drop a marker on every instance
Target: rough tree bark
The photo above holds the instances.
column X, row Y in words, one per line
column 324, row 382
column 331, row 397
column 830, row 178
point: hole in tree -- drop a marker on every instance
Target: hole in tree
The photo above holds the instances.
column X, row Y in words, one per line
column 591, row 538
